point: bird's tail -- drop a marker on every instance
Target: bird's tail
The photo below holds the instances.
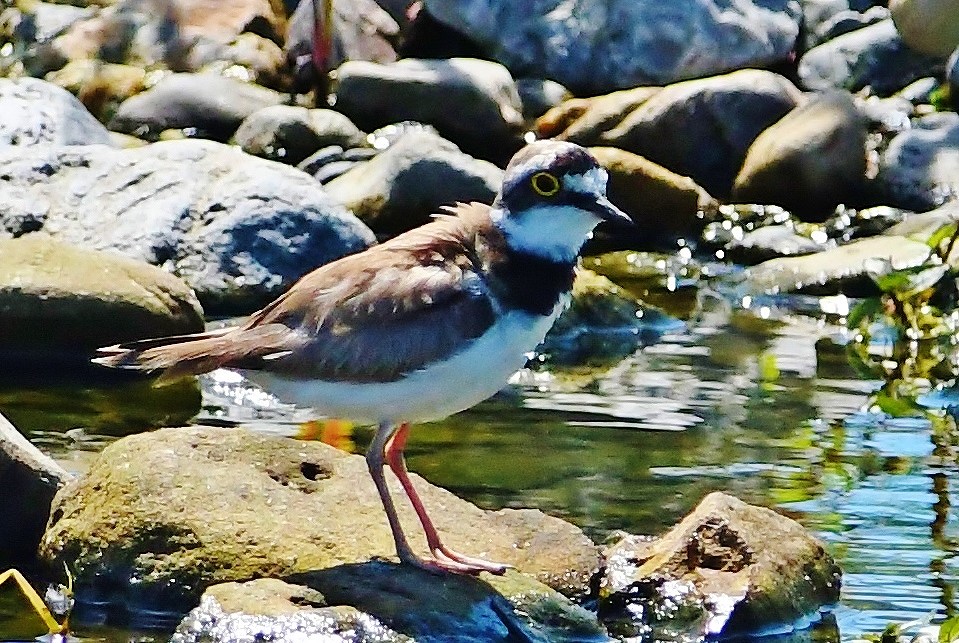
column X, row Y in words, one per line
column 174, row 357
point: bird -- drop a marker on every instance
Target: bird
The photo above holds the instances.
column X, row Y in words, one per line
column 419, row 327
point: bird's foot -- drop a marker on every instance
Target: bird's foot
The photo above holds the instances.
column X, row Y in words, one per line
column 445, row 560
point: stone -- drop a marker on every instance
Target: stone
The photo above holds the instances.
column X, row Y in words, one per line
column 596, row 46
column 33, row 111
column 29, row 479
column 952, row 77
column 846, row 21
column 929, row 26
column 920, row 227
column 481, row 109
column 584, row 120
column 769, row 242
column 238, row 229
column 83, row 299
column 160, row 517
column 727, row 570
column 403, row 186
column 873, row 57
column 250, row 57
column 664, row 205
column 810, row 161
column 703, row 128
column 100, row 86
column 837, row 270
column 208, row 105
column 539, row 95
column 919, row 169
column 31, row 27
column 291, row 134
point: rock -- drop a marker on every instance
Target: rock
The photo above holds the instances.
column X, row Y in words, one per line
column 874, row 57
column 83, row 299
column 769, row 242
column 837, row 270
column 728, row 570
column 929, row 26
column 161, row 516
column 584, row 120
column 402, row 187
column 595, row 46
column 31, row 27
column 250, row 58
column 208, row 105
column 665, row 206
column 702, row 128
column 539, row 95
column 952, row 77
column 34, row 111
column 291, row 134
column 238, row 229
column 100, row 86
column 28, row 481
column 481, row 109
column 810, row 161
column 846, row 21
column 919, row 92
column 919, row 170
column 920, row 227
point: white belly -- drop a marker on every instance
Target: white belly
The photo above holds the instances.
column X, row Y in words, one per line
column 441, row 389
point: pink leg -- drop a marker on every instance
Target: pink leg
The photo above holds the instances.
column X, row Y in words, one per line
column 444, row 557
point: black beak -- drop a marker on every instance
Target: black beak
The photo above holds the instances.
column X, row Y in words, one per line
column 608, row 212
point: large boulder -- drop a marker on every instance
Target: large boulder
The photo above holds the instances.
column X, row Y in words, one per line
column 919, row 169
column 161, row 516
column 929, row 26
column 83, row 299
column 595, row 46
column 238, row 229
column 34, row 111
column 728, row 570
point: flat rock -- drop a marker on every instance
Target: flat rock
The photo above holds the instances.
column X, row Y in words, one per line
column 83, row 299
column 159, row 517
column 28, row 481
column 33, row 111
column 480, row 109
column 208, row 105
column 919, row 170
column 595, row 46
column 729, row 569
column 769, row 242
column 810, row 161
column 290, row 134
column 403, row 186
column 238, row 229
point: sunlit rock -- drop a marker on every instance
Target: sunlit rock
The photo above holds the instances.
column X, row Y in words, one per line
column 34, row 111
column 290, row 134
column 919, row 170
column 929, row 26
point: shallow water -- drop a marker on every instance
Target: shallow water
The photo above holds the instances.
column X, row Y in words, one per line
column 760, row 402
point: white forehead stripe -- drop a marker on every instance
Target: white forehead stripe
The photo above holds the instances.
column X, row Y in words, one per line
column 592, row 182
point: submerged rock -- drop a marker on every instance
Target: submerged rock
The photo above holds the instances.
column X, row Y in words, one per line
column 729, row 569
column 159, row 517
column 33, row 111
column 83, row 299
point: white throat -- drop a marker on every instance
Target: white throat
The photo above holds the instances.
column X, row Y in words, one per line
column 554, row 232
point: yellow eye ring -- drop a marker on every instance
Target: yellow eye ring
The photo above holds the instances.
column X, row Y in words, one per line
column 544, row 184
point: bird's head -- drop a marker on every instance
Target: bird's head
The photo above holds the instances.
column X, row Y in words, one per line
column 553, row 195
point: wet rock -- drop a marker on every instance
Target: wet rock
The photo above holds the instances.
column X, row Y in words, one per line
column 665, row 206
column 83, row 299
column 810, row 161
column 874, row 57
column 921, row 227
column 539, row 95
column 161, row 516
column 290, row 134
column 596, row 46
column 34, row 111
column 769, row 242
column 702, row 128
column 238, row 229
column 929, row 26
column 403, row 186
column 729, row 569
column 481, row 109
column 28, row 481
column 846, row 224
column 208, row 105
column 585, row 120
column 919, row 170
column 100, row 86
column 837, row 270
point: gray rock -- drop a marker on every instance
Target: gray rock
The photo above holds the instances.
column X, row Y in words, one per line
column 290, row 134
column 160, row 517
column 728, row 570
column 34, row 111
column 83, row 299
column 922, row 226
column 540, row 95
column 952, row 77
column 919, row 170
column 920, row 92
column 769, row 242
column 874, row 57
column 31, row 27
column 403, row 186
column 473, row 103
column 702, row 128
column 29, row 479
column 846, row 21
column 810, row 161
column 238, row 229
column 208, row 105
column 595, row 46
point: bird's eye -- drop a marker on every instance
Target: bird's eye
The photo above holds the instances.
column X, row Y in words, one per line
column 545, row 183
